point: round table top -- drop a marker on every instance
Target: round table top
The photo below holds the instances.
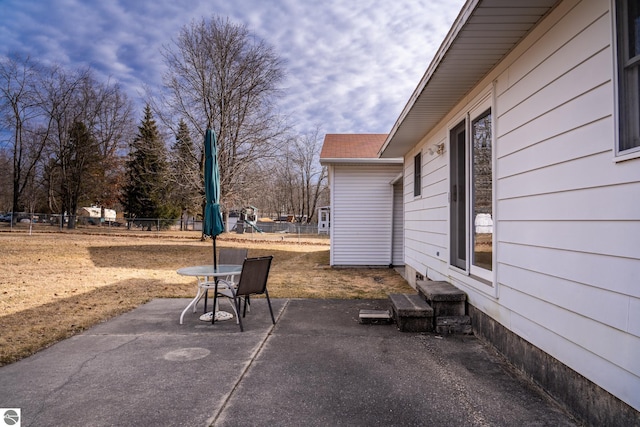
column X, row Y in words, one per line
column 210, row 271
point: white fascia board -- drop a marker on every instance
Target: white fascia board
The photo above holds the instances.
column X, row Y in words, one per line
column 371, row 161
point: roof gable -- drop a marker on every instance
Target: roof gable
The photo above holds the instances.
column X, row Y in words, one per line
column 352, row 146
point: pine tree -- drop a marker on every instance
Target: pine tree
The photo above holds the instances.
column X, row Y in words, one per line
column 188, row 191
column 78, row 158
column 147, row 191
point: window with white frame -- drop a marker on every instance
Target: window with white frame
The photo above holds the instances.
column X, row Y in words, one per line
column 417, row 175
column 628, row 55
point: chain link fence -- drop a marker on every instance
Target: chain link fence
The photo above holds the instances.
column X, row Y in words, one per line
column 21, row 221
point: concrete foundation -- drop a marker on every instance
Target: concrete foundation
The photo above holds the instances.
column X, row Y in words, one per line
column 447, row 325
column 584, row 399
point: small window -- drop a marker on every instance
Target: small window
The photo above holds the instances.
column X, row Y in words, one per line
column 417, row 174
column 628, row 40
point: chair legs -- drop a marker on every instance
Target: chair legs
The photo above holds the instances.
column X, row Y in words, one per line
column 247, row 301
column 237, row 301
column 273, row 319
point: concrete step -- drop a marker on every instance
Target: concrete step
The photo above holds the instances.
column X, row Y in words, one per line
column 375, row 317
column 412, row 313
column 443, row 297
column 447, row 325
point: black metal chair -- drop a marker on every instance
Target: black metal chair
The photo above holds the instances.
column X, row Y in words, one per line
column 234, row 256
column 253, row 281
column 229, row 256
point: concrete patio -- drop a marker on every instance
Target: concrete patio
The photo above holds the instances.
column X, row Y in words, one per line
column 318, row 366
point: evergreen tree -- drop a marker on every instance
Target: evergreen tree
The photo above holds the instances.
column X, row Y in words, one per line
column 147, row 191
column 188, row 191
column 78, row 157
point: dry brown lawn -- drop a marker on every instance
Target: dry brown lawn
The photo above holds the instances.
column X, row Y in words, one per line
column 55, row 285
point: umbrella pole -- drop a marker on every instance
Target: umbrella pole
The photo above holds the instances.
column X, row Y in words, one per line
column 215, row 291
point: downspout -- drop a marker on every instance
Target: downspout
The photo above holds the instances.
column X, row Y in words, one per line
column 331, row 212
column 393, row 210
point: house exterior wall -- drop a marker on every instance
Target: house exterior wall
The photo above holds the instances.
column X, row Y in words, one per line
column 566, row 215
column 362, row 214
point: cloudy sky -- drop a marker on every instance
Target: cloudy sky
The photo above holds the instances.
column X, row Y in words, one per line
column 351, row 64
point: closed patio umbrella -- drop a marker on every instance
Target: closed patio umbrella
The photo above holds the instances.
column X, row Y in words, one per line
column 213, row 223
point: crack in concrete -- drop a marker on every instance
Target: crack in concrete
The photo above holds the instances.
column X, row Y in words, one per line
column 74, row 374
column 211, row 422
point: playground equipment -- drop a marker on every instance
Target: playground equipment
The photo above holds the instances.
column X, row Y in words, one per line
column 249, row 216
column 324, row 219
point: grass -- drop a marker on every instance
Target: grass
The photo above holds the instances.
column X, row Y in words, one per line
column 55, row 285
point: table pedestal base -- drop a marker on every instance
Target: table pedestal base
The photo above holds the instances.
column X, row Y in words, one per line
column 220, row 315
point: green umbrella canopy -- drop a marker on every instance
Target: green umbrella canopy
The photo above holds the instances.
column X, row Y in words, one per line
column 213, row 223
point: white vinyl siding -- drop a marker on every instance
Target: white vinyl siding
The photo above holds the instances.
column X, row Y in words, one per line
column 398, row 225
column 567, row 220
column 627, row 22
column 569, row 254
column 426, row 218
column 362, row 214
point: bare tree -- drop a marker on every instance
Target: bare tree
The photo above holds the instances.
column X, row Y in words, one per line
column 61, row 100
column 21, row 115
column 312, row 175
column 221, row 76
column 5, row 181
column 89, row 122
column 110, row 120
column 300, row 181
column 39, row 107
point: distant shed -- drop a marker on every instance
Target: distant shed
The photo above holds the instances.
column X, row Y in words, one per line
column 365, row 221
column 96, row 212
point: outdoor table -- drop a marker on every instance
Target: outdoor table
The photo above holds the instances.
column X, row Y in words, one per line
column 205, row 274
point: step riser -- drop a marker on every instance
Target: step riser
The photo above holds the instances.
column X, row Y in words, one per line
column 412, row 314
column 415, row 324
column 446, row 309
column 375, row 317
column 446, row 299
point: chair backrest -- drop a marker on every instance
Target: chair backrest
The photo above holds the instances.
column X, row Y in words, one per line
column 253, row 279
column 232, row 256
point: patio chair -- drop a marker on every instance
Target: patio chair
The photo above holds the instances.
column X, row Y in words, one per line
column 234, row 256
column 253, row 281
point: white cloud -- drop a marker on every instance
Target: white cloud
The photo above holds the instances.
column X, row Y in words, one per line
column 351, row 66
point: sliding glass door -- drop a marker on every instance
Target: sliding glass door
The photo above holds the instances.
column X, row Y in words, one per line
column 471, row 193
column 458, row 195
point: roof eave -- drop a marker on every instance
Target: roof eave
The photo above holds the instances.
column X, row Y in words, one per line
column 433, row 95
column 462, row 18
